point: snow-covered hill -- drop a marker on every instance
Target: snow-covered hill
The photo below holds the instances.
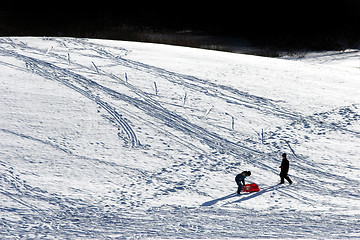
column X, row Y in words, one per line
column 110, row 139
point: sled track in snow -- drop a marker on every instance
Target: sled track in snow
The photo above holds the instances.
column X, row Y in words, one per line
column 70, row 79
column 226, row 93
column 151, row 107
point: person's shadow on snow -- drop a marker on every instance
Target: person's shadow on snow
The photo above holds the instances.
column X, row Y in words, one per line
column 243, row 197
column 213, row 202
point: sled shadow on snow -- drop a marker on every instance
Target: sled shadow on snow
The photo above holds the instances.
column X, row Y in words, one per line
column 243, row 196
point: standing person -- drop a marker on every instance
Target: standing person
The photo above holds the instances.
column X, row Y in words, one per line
column 240, row 180
column 284, row 170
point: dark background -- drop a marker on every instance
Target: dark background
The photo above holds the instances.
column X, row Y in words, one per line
column 292, row 24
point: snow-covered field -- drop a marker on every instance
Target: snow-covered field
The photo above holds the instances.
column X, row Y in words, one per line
column 110, row 139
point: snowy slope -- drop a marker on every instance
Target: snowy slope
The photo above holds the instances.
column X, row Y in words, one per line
column 111, row 139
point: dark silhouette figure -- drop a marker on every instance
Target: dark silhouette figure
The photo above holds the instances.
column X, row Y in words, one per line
column 284, row 170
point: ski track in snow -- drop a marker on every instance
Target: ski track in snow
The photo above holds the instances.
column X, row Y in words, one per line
column 194, row 151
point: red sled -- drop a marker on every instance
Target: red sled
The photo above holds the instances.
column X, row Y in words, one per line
column 253, row 187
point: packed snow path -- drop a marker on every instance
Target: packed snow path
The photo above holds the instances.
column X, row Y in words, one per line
column 111, row 139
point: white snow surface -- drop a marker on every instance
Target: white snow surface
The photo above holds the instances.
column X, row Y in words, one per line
column 111, row 139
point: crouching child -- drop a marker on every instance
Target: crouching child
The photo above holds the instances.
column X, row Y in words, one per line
column 240, row 180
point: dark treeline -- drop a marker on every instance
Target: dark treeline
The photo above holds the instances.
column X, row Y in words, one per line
column 309, row 25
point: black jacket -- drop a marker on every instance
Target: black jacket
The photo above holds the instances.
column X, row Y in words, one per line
column 284, row 166
column 240, row 178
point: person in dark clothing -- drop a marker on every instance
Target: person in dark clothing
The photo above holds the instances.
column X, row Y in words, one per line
column 240, row 180
column 284, row 170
